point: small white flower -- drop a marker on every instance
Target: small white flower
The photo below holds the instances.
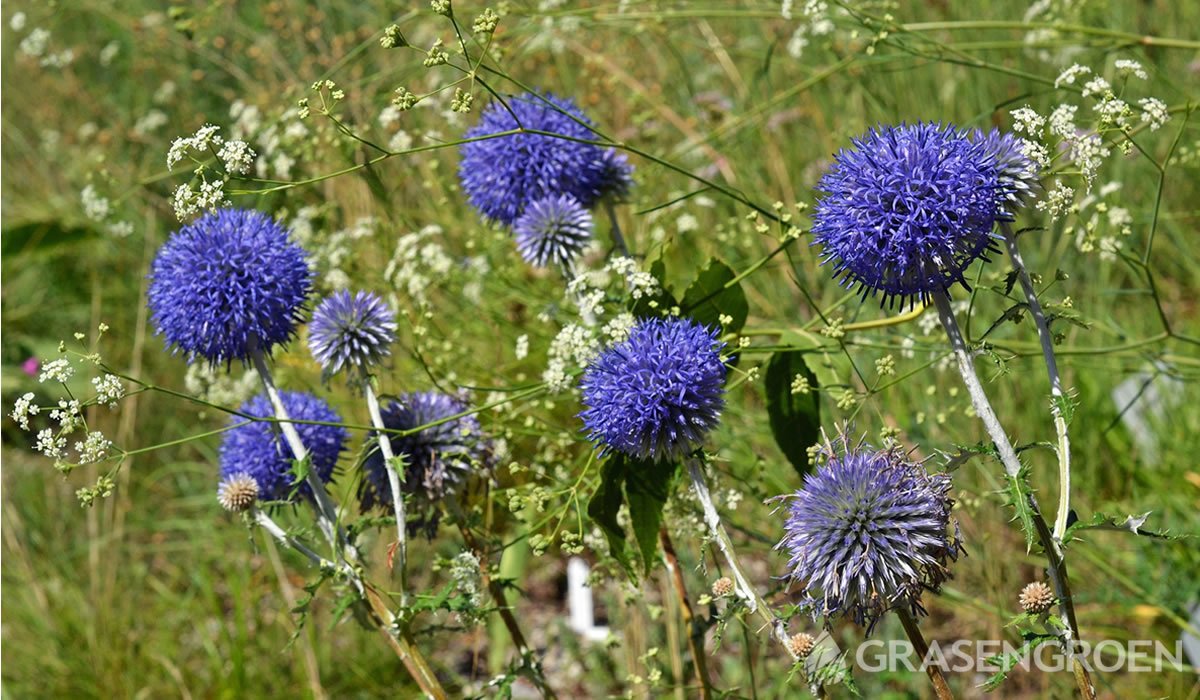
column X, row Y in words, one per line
column 179, row 149
column 211, row 195
column 618, row 328
column 1068, row 76
column 1057, row 201
column 237, row 156
column 50, row 445
column 1154, row 112
column 68, row 416
column 17, row 21
column 34, row 45
column 1026, row 120
column 686, row 223
column 1114, row 111
column 120, row 229
column 95, row 206
column 150, row 122
column 1126, row 66
column 108, row 389
column 522, row 349
column 109, row 52
column 93, row 448
column 183, row 201
column 23, row 409
column 59, row 370
column 1096, row 86
column 1062, row 121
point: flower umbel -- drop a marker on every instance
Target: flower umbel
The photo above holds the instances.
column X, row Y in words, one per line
column 351, row 330
column 437, row 458
column 505, row 174
column 227, row 281
column 554, row 230
column 257, row 450
column 869, row 532
column 657, row 394
column 907, row 210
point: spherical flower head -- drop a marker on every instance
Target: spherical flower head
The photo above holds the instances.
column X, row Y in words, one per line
column 351, row 330
column 438, row 459
column 230, row 279
column 907, row 210
column 237, row 492
column 258, row 450
column 868, row 533
column 504, row 175
column 554, row 230
column 1016, row 172
column 617, row 180
column 656, row 395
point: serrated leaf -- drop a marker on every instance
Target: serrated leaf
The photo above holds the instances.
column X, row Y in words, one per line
column 713, row 295
column 795, row 418
column 647, row 487
column 605, row 504
column 1017, row 490
column 1012, row 313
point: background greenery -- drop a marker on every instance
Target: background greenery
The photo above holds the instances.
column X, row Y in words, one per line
column 155, row 592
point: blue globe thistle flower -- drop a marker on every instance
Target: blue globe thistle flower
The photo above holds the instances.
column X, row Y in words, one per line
column 554, row 230
column 351, row 330
column 504, row 175
column 617, row 180
column 907, row 210
column 868, row 533
column 657, row 394
column 1018, row 175
column 227, row 280
column 258, row 450
column 438, row 459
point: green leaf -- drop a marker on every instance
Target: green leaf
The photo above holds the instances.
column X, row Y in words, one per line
column 795, row 418
column 831, row 368
column 1132, row 524
column 711, row 295
column 603, row 507
column 647, row 487
column 42, row 236
column 1018, row 492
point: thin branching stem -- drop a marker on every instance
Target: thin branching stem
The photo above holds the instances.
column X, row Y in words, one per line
column 394, row 482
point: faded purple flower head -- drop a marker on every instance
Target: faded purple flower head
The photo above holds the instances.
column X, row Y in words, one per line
column 351, row 330
column 503, row 175
column 869, row 532
column 258, row 450
column 228, row 280
column 553, row 231
column 657, row 394
column 438, row 459
column 907, row 210
column 1018, row 175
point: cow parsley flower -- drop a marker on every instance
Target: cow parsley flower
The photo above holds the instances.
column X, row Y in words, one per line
column 25, row 407
column 553, row 230
column 1154, row 112
column 258, row 450
column 351, row 330
column 907, row 210
column 108, row 389
column 59, row 370
column 869, row 532
column 438, row 458
column 228, row 281
column 504, row 175
column 657, row 394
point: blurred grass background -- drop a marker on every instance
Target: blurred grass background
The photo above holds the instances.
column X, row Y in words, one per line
column 154, row 592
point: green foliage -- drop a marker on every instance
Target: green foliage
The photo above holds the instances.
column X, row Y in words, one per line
column 714, row 294
column 795, row 416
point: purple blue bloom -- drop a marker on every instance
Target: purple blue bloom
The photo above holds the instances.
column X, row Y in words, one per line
column 351, row 330
column 907, row 210
column 869, row 532
column 258, row 450
column 504, row 175
column 228, row 280
column 617, row 180
column 1018, row 174
column 438, row 459
column 657, row 394
column 554, row 230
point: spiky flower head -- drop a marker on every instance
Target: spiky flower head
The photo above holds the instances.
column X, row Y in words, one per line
column 869, row 532
column 617, row 181
column 722, row 587
column 657, row 394
column 228, row 280
column 504, row 175
column 237, row 492
column 1017, row 173
column 1036, row 598
column 438, row 458
column 801, row 644
column 351, row 330
column 907, row 210
column 553, row 230
column 258, row 450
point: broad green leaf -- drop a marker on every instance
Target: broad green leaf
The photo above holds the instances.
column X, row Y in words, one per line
column 795, row 418
column 603, row 507
column 647, row 487
column 711, row 295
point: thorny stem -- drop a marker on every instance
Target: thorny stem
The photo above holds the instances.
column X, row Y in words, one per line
column 1057, row 568
column 695, row 629
column 1058, row 397
column 394, row 481
column 940, row 687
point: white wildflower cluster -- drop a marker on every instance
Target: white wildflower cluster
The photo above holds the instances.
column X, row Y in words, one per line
column 638, row 282
column 17, row 21
column 1068, row 76
column 150, row 122
column 109, row 53
column 1102, row 227
column 237, row 156
column 67, row 415
column 59, row 370
column 95, row 206
column 108, row 389
column 801, row 385
column 1057, row 201
column 521, row 351
column 574, row 347
column 1129, row 67
column 417, row 263
column 329, row 254
column 93, row 448
column 277, row 142
column 815, row 22
column 1154, row 112
column 34, row 44
column 206, row 139
column 617, row 330
column 49, row 444
column 23, row 409
column 468, row 581
column 208, row 195
column 218, row 386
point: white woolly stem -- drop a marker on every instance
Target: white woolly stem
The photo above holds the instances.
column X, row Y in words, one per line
column 267, row 523
column 1057, row 394
column 394, row 477
column 741, row 586
column 326, row 509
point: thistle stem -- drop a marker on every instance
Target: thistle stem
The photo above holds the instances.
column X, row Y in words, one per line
column 394, row 480
column 1057, row 569
column 940, row 687
column 618, row 239
column 1057, row 394
column 695, row 630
